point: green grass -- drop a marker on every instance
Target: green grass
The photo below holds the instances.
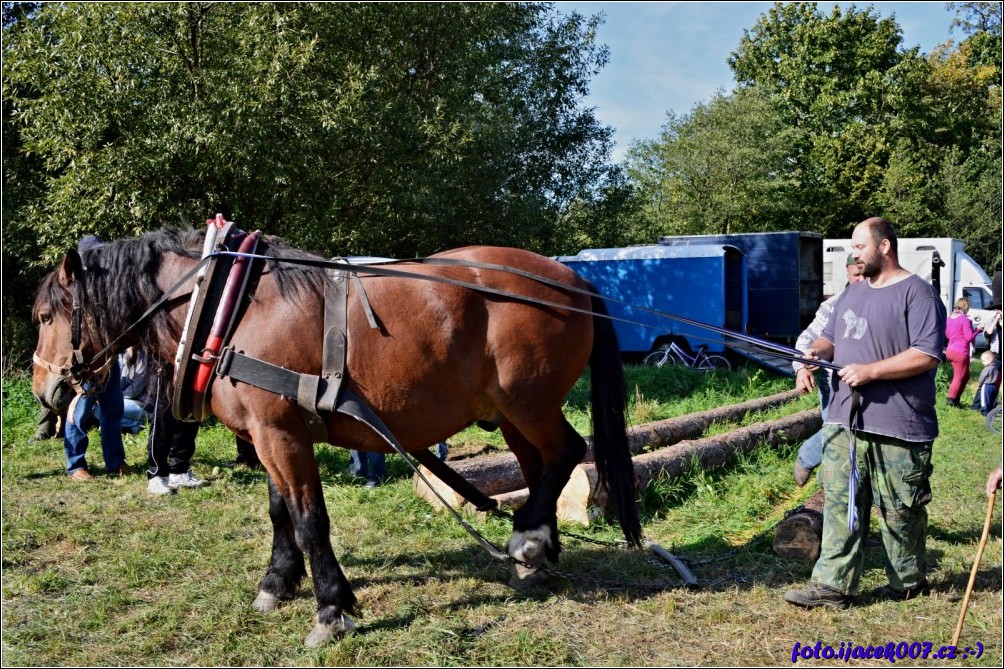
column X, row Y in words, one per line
column 104, row 574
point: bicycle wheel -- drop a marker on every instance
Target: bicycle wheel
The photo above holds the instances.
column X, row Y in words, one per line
column 657, row 358
column 994, row 420
column 717, row 362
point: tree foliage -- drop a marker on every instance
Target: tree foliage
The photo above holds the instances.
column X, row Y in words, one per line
column 722, row 168
column 833, row 121
column 373, row 128
column 378, row 128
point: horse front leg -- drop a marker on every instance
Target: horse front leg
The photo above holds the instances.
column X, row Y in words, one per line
column 286, row 568
column 293, row 473
column 335, row 599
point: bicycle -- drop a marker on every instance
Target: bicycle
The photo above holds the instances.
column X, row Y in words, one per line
column 674, row 355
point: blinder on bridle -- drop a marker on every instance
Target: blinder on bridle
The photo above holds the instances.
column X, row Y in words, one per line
column 77, row 372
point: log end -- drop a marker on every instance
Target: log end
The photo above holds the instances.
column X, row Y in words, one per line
column 799, row 536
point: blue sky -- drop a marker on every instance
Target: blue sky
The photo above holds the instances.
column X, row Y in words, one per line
column 672, row 55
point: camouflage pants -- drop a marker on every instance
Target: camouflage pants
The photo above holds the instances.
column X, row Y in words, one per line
column 895, row 476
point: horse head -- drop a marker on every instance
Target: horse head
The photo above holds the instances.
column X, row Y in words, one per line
column 69, row 352
column 88, row 309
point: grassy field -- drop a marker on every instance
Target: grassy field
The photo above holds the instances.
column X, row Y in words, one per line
column 104, row 574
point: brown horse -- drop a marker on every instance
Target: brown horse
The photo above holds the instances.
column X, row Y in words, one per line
column 443, row 358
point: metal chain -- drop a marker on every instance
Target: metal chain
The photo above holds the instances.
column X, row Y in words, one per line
column 657, row 586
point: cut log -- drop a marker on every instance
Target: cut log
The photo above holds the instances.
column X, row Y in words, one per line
column 512, row 500
column 710, row 453
column 497, row 474
column 692, row 426
column 438, row 486
column 800, row 535
column 582, row 500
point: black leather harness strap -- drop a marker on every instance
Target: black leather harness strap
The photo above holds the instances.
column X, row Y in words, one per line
column 458, row 483
column 352, row 405
column 317, row 394
column 287, row 383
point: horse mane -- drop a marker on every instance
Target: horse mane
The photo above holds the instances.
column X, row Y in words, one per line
column 120, row 279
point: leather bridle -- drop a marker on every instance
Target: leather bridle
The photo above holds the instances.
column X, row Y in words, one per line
column 79, row 373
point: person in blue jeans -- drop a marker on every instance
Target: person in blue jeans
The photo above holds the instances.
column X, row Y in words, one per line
column 810, row 454
column 372, row 466
column 106, row 405
column 137, row 395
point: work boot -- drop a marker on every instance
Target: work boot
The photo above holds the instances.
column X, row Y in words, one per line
column 889, row 592
column 818, row 594
column 802, row 474
column 81, row 475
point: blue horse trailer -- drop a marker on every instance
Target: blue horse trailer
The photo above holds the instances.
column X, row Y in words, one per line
column 784, row 275
column 701, row 283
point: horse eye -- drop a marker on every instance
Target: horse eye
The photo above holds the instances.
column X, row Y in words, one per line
column 45, row 318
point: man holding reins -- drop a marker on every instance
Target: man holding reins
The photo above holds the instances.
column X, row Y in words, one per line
column 887, row 335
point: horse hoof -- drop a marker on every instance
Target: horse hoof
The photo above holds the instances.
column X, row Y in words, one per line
column 322, row 634
column 530, row 549
column 265, row 602
column 530, row 580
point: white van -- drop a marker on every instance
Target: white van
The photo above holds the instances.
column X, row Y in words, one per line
column 941, row 260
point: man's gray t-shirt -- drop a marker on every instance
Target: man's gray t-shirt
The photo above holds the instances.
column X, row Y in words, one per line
column 871, row 324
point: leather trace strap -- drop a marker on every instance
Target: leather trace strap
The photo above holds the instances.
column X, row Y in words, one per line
column 387, row 269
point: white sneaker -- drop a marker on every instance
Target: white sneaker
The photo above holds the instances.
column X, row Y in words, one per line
column 158, row 486
column 186, row 480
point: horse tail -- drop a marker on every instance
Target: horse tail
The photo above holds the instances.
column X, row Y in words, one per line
column 610, row 444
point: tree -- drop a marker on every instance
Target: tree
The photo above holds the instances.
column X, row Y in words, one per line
column 723, row 168
column 609, row 217
column 386, row 129
column 376, row 128
column 836, row 77
column 981, row 23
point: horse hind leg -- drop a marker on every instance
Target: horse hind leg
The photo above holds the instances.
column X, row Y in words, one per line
column 547, row 456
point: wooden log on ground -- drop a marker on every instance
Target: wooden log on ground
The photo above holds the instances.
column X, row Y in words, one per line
column 583, row 501
column 492, row 475
column 711, row 452
column 800, row 535
column 691, row 426
column 497, row 474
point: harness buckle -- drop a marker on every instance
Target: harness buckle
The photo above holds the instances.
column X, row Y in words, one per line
column 224, row 360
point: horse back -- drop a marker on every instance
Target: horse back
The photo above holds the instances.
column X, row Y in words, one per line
column 463, row 354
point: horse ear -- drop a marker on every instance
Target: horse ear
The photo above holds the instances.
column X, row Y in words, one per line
column 72, row 268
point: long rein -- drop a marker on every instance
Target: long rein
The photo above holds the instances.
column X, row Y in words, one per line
column 382, row 269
